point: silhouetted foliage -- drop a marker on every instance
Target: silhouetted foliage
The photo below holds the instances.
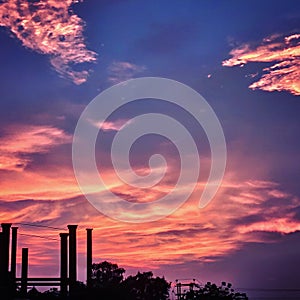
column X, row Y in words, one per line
column 33, row 293
column 108, row 283
column 106, row 275
column 144, row 286
column 52, row 293
column 213, row 292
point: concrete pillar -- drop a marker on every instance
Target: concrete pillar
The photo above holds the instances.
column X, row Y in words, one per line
column 24, row 276
column 89, row 257
column 72, row 257
column 2, row 262
column 5, row 250
column 64, row 264
column 13, row 261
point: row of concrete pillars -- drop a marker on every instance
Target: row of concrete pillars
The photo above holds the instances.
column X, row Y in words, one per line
column 68, row 260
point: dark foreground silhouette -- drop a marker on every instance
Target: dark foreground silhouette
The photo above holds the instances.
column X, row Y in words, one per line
column 108, row 283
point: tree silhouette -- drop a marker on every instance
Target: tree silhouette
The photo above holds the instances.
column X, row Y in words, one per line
column 144, row 286
column 108, row 283
column 106, row 275
column 213, row 292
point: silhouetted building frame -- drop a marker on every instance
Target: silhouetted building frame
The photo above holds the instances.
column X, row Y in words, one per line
column 68, row 262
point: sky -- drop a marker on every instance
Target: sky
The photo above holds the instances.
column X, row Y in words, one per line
column 241, row 56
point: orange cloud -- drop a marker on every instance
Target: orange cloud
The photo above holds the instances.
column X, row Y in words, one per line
column 49, row 27
column 19, row 141
column 284, row 74
column 21, row 177
column 54, row 184
column 188, row 234
column 241, row 208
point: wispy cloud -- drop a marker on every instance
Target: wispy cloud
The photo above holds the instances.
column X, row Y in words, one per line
column 20, row 141
column 282, row 225
column 111, row 125
column 49, row 27
column 120, row 71
column 242, row 212
column 188, row 234
column 284, row 52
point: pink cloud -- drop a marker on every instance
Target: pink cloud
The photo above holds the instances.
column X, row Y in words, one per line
column 242, row 207
column 188, row 234
column 281, row 225
column 20, row 140
column 283, row 52
column 122, row 70
column 111, row 125
column 48, row 27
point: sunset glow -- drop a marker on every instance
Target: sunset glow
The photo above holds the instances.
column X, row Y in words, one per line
column 239, row 57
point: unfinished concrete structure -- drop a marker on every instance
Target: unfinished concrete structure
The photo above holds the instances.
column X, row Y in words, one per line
column 68, row 262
